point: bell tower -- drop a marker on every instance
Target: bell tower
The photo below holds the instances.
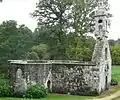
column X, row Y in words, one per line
column 101, row 55
column 102, row 21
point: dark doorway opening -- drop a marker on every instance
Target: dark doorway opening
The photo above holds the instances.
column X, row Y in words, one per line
column 106, row 83
column 49, row 86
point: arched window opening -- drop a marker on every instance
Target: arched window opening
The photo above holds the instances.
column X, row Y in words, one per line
column 19, row 74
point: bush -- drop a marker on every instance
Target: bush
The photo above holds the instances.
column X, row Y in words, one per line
column 19, row 94
column 114, row 82
column 4, row 82
column 3, row 76
column 36, row 91
column 6, row 91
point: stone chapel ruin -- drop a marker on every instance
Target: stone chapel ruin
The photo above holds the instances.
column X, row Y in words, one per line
column 70, row 77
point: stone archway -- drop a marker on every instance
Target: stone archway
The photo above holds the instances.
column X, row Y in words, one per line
column 20, row 83
column 19, row 74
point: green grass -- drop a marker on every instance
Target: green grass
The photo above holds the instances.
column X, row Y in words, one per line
column 115, row 75
column 55, row 97
column 118, row 98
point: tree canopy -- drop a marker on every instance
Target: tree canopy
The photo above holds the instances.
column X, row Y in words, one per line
column 15, row 41
column 57, row 19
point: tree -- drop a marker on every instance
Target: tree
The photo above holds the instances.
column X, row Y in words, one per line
column 15, row 41
column 53, row 16
column 57, row 18
column 83, row 14
column 52, row 12
column 77, row 14
column 116, row 54
column 79, row 50
column 7, row 28
column 32, row 56
column 38, row 52
column 111, row 42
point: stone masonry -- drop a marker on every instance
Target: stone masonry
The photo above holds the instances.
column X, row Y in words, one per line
column 101, row 54
column 68, row 77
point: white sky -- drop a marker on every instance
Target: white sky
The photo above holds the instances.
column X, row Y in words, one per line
column 20, row 10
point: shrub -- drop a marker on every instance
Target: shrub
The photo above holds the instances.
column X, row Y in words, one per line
column 6, row 91
column 3, row 76
column 4, row 82
column 36, row 91
column 19, row 94
column 114, row 82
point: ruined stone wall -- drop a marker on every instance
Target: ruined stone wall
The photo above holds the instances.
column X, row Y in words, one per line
column 70, row 77
column 32, row 73
column 75, row 79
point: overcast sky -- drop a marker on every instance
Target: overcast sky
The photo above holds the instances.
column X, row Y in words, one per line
column 19, row 10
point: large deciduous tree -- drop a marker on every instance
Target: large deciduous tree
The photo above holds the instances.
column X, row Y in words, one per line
column 57, row 18
column 53, row 16
column 52, row 12
column 83, row 14
column 81, row 45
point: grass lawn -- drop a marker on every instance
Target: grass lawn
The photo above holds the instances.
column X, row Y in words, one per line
column 118, row 98
column 115, row 74
column 55, row 97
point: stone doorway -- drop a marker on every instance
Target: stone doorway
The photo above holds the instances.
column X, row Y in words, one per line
column 106, row 83
column 49, row 86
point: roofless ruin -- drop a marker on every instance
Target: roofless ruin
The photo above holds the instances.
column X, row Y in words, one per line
column 70, row 77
